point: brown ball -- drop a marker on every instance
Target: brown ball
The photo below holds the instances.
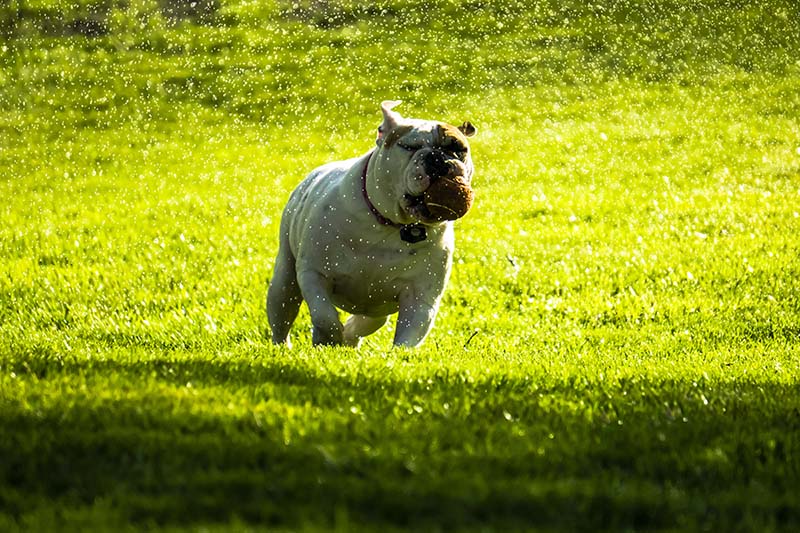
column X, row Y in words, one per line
column 448, row 198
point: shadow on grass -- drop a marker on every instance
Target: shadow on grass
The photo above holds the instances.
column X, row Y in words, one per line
column 444, row 453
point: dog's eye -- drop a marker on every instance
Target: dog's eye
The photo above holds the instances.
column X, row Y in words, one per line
column 407, row 148
column 461, row 154
column 457, row 149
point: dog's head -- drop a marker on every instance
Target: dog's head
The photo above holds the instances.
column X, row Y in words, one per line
column 427, row 165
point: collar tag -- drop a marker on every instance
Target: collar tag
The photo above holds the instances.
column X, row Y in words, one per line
column 413, row 233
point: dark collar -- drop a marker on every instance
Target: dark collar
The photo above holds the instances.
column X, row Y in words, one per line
column 410, row 233
column 374, row 210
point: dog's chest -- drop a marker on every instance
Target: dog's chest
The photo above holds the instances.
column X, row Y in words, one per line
column 369, row 280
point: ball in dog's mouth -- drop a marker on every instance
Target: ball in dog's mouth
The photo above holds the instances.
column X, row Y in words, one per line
column 448, row 198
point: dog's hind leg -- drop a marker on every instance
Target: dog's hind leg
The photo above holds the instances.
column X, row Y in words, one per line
column 283, row 297
column 359, row 326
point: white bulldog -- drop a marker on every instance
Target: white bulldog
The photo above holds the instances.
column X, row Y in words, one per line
column 367, row 236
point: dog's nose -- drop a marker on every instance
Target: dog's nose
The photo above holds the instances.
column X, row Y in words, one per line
column 436, row 165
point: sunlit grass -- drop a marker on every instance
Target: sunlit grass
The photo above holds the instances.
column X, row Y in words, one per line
column 618, row 346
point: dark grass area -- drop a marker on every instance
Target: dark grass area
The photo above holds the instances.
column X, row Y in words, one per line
column 506, row 452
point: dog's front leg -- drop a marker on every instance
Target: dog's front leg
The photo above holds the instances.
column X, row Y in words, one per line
column 316, row 290
column 415, row 319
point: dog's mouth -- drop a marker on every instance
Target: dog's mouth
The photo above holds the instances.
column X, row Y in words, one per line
column 415, row 206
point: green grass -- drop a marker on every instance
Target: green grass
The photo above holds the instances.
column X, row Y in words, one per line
column 618, row 348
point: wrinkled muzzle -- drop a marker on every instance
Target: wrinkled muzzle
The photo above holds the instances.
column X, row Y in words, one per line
column 436, row 165
column 450, row 195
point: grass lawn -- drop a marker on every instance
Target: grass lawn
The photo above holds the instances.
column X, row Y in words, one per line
column 619, row 345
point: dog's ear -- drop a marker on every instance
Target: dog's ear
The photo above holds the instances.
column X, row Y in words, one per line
column 390, row 119
column 468, row 129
